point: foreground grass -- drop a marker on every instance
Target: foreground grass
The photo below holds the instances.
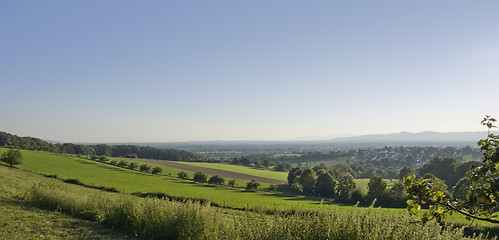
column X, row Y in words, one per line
column 19, row 221
column 159, row 219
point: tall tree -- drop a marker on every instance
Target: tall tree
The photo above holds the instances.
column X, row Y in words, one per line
column 325, row 185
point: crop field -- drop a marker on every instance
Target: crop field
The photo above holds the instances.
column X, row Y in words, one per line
column 264, row 173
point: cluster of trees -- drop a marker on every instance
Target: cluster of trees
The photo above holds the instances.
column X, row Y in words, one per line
column 130, row 151
column 131, row 165
column 201, row 177
column 341, row 186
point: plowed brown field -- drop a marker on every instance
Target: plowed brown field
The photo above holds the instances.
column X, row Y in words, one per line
column 211, row 171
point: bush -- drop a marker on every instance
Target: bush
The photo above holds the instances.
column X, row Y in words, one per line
column 252, row 186
column 145, row 168
column 114, row 162
column 216, row 180
column 122, row 164
column 232, row 183
column 157, row 170
column 133, row 166
column 200, row 177
column 182, row 175
column 272, row 187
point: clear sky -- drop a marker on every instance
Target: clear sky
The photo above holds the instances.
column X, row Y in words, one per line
column 144, row 71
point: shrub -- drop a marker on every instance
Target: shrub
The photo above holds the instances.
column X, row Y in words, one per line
column 182, row 175
column 232, row 183
column 114, row 162
column 200, row 177
column 133, row 166
column 145, row 168
column 216, row 180
column 252, row 186
column 157, row 170
column 272, row 187
column 122, row 164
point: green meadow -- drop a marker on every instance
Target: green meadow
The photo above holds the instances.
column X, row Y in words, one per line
column 128, row 181
column 242, row 169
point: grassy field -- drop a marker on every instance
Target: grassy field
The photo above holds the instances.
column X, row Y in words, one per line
column 242, row 169
column 19, row 221
column 159, row 219
column 128, row 181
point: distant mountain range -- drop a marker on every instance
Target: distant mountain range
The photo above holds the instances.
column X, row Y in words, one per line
column 427, row 136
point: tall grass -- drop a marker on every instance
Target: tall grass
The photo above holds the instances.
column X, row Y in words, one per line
column 158, row 219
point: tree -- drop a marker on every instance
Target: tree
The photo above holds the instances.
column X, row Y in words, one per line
column 325, row 185
column 182, row 175
column 216, row 180
column 12, row 157
column 405, row 171
column 232, row 183
column 307, row 180
column 346, row 185
column 481, row 199
column 133, row 166
column 376, row 187
column 122, row 164
column 157, row 170
column 103, row 158
column 200, row 177
column 145, row 168
column 293, row 173
column 252, row 186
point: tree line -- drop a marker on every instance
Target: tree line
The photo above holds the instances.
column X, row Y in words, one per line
column 30, row 143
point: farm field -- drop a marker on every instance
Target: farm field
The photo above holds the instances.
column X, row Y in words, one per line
column 225, row 170
column 128, row 181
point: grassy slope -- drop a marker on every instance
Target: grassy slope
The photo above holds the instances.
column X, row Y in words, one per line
column 242, row 169
column 18, row 221
column 173, row 172
column 128, row 181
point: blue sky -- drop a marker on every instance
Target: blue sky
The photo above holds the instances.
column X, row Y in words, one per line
column 144, row 71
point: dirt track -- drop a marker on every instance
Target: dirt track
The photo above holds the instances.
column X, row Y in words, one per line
column 211, row 171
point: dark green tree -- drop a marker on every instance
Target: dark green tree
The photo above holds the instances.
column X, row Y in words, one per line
column 307, row 180
column 200, row 177
column 182, row 175
column 252, row 186
column 216, row 180
column 346, row 185
column 133, row 166
column 376, row 187
column 157, row 170
column 405, row 171
column 12, row 157
column 325, row 185
column 145, row 168
column 122, row 164
column 232, row 183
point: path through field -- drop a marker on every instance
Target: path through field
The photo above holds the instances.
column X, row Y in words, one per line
column 211, row 171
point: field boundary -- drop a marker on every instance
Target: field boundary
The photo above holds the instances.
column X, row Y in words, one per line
column 211, row 171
